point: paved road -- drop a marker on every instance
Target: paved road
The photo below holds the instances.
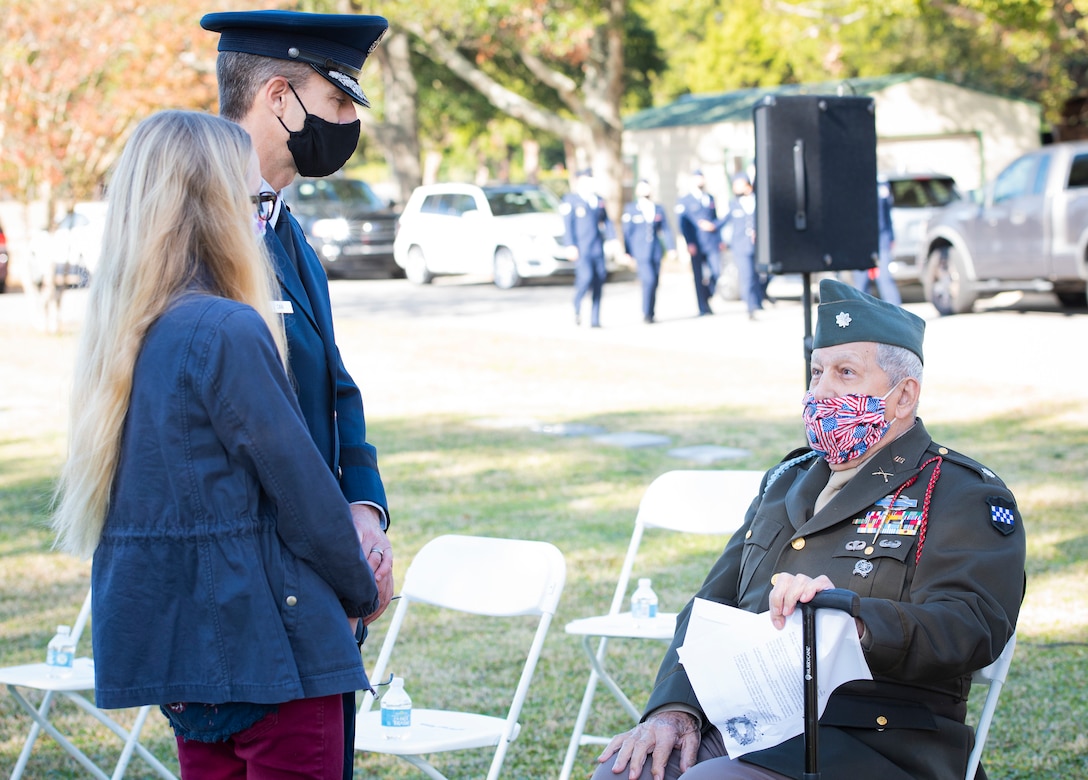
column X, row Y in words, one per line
column 462, row 346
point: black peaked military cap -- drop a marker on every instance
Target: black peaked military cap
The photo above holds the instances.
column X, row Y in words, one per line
column 335, row 45
column 846, row 315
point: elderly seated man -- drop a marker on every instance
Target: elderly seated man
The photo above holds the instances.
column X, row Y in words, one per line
column 930, row 539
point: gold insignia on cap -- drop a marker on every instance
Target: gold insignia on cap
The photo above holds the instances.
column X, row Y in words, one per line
column 843, row 319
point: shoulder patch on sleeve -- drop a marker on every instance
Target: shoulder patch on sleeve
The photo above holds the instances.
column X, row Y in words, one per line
column 1002, row 513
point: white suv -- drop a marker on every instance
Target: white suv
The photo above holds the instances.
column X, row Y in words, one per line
column 916, row 197
column 509, row 231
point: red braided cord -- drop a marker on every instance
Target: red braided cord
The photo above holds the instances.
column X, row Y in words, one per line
column 925, row 504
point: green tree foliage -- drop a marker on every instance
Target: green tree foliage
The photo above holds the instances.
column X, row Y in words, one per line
column 77, row 75
column 1022, row 48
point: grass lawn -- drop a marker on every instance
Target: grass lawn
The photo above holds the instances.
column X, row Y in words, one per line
column 453, row 468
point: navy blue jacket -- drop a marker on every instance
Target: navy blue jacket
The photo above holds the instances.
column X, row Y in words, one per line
column 331, row 402
column 646, row 242
column 884, row 210
column 587, row 227
column 738, row 229
column 228, row 564
column 688, row 213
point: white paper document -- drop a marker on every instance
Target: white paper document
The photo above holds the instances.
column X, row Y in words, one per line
column 747, row 674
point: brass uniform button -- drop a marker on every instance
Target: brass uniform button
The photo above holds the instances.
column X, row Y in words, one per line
column 749, row 534
column 291, row 601
column 798, row 544
column 942, row 450
column 881, row 721
column 869, row 550
column 774, row 579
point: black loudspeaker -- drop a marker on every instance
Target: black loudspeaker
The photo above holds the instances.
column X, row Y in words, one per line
column 816, row 200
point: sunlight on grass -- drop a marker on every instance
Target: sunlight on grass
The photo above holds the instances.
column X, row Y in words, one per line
column 447, row 473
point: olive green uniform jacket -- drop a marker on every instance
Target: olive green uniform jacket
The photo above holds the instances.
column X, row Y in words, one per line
column 931, row 620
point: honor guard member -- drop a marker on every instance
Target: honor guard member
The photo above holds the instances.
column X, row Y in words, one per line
column 292, row 81
column 587, row 228
column 885, row 284
column 647, row 237
column 930, row 539
column 698, row 219
column 739, row 233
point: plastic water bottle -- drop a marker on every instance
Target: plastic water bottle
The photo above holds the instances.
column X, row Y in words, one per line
column 60, row 654
column 396, row 711
column 644, row 600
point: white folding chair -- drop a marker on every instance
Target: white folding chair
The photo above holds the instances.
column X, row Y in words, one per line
column 40, row 677
column 993, row 676
column 694, row 502
column 480, row 576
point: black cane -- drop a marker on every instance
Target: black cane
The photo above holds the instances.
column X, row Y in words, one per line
column 835, row 598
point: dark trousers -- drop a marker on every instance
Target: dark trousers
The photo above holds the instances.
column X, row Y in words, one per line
column 705, row 281
column 589, row 277
column 301, row 739
column 749, row 284
column 649, row 272
column 348, row 701
column 712, row 763
column 885, row 284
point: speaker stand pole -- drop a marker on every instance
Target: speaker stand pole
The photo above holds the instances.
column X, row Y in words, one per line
column 806, row 302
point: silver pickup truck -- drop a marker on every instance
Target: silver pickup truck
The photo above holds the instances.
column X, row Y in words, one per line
column 1029, row 232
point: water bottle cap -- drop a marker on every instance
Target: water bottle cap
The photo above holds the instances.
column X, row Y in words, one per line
column 643, row 581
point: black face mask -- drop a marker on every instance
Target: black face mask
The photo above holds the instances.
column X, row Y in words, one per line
column 321, row 147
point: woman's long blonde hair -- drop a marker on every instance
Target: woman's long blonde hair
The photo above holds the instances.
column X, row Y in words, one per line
column 179, row 217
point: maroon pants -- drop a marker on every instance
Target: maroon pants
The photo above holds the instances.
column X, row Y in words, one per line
column 302, row 739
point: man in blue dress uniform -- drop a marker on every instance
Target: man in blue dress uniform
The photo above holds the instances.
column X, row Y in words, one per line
column 739, row 232
column 885, row 284
column 698, row 218
column 587, row 228
column 291, row 80
column 647, row 236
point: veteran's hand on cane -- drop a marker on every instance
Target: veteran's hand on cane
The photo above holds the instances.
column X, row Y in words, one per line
column 656, row 737
column 379, row 554
column 790, row 590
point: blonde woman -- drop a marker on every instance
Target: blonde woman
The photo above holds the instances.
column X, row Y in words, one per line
column 217, row 593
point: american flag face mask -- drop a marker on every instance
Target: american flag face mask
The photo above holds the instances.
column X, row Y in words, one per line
column 843, row 428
